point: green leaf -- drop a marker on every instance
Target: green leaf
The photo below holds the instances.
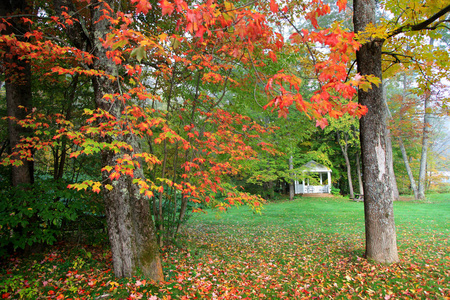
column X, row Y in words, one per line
column 139, row 53
column 119, row 44
column 175, row 43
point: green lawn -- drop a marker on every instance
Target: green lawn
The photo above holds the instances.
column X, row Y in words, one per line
column 308, row 248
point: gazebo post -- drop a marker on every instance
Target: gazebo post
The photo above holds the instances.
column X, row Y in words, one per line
column 329, row 181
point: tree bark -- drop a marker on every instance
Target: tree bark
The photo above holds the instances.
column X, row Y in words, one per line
column 18, row 89
column 403, row 149
column 358, row 171
column 408, row 168
column 395, row 193
column 390, row 159
column 160, row 218
column 344, row 149
column 291, row 181
column 19, row 94
column 381, row 244
column 425, row 142
column 58, row 172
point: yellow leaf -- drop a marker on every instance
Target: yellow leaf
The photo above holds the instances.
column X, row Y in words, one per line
column 162, row 37
column 107, row 168
column 96, row 187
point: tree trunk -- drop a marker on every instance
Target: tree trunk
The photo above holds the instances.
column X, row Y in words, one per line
column 395, row 193
column 70, row 98
column 390, row 159
column 19, row 94
column 160, row 218
column 130, row 227
column 403, row 149
column 408, row 168
column 184, row 203
column 381, row 244
column 358, row 171
column 344, row 149
column 425, row 142
column 18, row 89
column 291, row 181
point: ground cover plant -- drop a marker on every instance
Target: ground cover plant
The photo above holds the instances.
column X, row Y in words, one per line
column 307, row 248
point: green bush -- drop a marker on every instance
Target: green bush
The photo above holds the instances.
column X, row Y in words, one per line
column 38, row 213
column 442, row 188
column 335, row 191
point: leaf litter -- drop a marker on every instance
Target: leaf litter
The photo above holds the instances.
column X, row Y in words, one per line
column 237, row 260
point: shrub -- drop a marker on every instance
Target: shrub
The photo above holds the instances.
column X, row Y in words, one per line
column 335, row 191
column 38, row 214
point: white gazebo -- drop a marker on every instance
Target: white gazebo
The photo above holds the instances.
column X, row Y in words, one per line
column 312, row 167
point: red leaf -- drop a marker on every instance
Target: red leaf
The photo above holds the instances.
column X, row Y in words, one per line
column 335, row 114
column 167, row 7
column 273, row 56
column 342, row 4
column 142, row 6
column 114, row 175
column 322, row 123
column 273, row 6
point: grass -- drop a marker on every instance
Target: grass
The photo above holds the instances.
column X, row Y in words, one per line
column 308, row 248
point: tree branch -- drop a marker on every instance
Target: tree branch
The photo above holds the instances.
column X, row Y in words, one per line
column 397, row 55
column 422, row 25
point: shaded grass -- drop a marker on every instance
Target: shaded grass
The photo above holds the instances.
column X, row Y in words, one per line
column 308, row 248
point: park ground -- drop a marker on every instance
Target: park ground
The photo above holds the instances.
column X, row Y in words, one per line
column 310, row 248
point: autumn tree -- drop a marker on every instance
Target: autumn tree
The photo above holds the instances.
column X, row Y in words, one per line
column 415, row 136
column 132, row 234
column 18, row 82
column 380, row 229
column 35, row 215
column 381, row 243
column 131, row 230
column 404, row 125
column 97, row 40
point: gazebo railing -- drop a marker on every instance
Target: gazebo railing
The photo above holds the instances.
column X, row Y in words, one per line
column 309, row 189
column 316, row 189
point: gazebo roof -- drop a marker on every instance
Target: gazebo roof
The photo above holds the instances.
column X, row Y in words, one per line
column 313, row 166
